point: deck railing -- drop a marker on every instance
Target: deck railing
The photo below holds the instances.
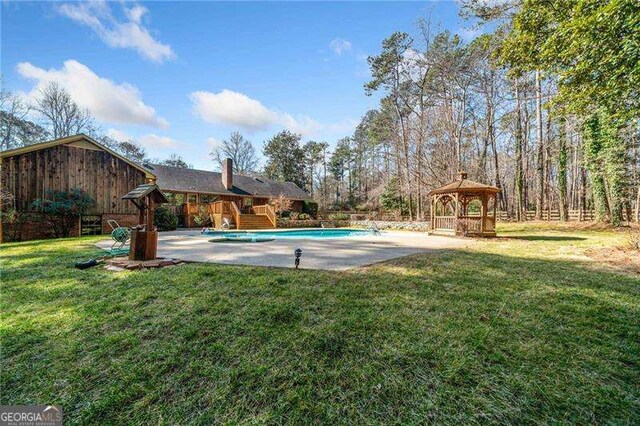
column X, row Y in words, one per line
column 266, row 210
column 235, row 211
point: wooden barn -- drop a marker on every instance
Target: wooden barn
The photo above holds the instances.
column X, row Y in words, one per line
column 27, row 174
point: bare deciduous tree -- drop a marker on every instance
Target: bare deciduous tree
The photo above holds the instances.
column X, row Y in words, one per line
column 61, row 114
column 15, row 129
column 240, row 150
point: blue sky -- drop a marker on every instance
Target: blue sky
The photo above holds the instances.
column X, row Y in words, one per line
column 180, row 76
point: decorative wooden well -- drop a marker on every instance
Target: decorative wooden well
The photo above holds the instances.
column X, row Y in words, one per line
column 144, row 236
column 464, row 207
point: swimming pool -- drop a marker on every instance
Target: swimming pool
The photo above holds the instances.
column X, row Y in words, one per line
column 290, row 234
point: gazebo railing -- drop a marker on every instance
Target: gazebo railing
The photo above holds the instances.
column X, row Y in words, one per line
column 472, row 224
column 465, row 224
column 445, row 222
column 489, row 223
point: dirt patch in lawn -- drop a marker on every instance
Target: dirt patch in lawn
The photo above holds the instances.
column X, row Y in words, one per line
column 620, row 258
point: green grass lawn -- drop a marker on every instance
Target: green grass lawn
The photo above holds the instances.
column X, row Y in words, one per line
column 519, row 329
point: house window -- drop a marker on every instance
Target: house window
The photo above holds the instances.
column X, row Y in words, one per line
column 208, row 198
column 175, row 199
column 192, row 198
column 247, row 202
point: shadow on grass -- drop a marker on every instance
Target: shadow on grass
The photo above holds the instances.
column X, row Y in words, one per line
column 543, row 238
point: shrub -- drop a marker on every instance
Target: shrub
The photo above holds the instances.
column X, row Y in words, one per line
column 339, row 216
column 15, row 220
column 280, row 204
column 61, row 209
column 303, row 216
column 165, row 219
column 310, row 208
column 391, row 199
column 202, row 217
column 294, row 215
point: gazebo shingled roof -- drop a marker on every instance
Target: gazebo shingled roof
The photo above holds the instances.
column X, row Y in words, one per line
column 464, row 185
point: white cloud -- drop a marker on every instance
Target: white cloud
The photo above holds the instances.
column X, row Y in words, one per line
column 155, row 141
column 150, row 141
column 119, row 135
column 235, row 109
column 107, row 101
column 128, row 33
column 340, row 46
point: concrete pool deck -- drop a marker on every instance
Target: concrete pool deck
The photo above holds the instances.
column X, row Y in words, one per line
column 326, row 253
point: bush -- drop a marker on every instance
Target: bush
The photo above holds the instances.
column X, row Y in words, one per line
column 61, row 209
column 13, row 220
column 392, row 200
column 165, row 219
column 303, row 216
column 310, row 208
column 339, row 216
column 202, row 217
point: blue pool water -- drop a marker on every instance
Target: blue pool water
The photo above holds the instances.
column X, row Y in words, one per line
column 290, row 234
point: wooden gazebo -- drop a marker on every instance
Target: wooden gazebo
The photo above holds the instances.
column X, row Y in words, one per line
column 464, row 207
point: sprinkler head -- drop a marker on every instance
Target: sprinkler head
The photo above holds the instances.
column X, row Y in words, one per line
column 297, row 253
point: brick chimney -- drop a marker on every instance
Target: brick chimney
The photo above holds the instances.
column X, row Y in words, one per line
column 227, row 173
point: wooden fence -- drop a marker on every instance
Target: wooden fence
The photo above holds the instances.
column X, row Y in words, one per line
column 550, row 215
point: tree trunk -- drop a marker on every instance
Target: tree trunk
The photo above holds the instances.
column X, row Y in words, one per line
column 540, row 149
column 518, row 159
column 638, row 205
column 562, row 170
column 593, row 146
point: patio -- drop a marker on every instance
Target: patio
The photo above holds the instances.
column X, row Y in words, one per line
column 326, row 254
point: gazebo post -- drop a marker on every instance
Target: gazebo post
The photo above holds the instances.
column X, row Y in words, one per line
column 484, row 213
column 457, row 213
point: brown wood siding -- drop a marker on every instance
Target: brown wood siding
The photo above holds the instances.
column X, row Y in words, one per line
column 105, row 177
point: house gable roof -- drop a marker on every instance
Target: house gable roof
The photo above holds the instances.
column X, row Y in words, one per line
column 79, row 141
column 201, row 181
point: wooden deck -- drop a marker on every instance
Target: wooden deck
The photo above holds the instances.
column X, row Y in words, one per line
column 257, row 217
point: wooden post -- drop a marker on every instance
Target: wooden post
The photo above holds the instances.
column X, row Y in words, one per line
column 457, row 214
column 484, row 212
column 150, row 213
